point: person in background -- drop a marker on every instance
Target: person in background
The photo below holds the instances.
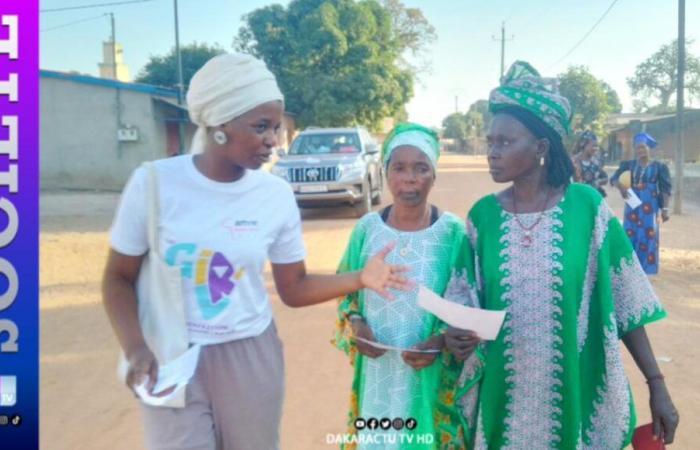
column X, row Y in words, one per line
column 650, row 180
column 588, row 167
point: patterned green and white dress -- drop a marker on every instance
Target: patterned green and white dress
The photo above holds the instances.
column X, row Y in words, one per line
column 386, row 387
column 554, row 376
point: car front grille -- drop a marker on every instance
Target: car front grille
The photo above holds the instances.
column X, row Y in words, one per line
column 313, row 174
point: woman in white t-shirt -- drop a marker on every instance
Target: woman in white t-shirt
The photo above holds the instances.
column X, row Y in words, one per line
column 220, row 220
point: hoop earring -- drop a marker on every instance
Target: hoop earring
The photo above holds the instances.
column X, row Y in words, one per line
column 220, row 137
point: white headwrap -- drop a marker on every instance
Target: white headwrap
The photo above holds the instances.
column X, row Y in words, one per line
column 414, row 138
column 226, row 87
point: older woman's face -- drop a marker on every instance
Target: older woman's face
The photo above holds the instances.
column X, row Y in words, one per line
column 513, row 151
column 253, row 136
column 410, row 176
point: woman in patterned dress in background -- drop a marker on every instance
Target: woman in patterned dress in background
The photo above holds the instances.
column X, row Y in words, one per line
column 588, row 168
column 552, row 255
column 651, row 181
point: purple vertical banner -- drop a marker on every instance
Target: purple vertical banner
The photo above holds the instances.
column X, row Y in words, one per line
column 19, row 222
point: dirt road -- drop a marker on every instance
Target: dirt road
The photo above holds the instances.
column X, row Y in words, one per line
column 84, row 407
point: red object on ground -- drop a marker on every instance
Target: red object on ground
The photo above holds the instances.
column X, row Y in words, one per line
column 643, row 439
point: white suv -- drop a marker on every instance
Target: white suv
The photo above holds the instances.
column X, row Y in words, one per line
column 330, row 166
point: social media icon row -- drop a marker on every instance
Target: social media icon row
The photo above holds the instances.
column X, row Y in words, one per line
column 15, row 420
column 385, row 423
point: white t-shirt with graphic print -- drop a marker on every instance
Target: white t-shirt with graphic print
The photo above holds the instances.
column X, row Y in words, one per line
column 220, row 235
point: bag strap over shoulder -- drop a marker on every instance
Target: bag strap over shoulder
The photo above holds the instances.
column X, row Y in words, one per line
column 152, row 197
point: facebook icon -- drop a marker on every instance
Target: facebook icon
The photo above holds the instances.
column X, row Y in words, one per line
column 8, row 390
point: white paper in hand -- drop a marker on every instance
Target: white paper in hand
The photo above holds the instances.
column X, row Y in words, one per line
column 486, row 324
column 153, row 400
column 177, row 372
column 632, row 199
column 391, row 347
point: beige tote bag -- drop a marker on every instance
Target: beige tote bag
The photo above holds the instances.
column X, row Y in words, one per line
column 159, row 294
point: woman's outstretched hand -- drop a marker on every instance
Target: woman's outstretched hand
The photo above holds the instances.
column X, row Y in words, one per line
column 380, row 276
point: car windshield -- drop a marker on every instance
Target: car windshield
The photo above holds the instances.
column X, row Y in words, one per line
column 320, row 144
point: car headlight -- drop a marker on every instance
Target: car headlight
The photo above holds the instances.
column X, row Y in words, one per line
column 279, row 171
column 351, row 171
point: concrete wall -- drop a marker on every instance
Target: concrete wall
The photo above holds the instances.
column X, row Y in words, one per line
column 79, row 147
column 666, row 130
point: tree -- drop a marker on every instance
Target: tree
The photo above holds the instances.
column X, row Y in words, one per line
column 481, row 108
column 475, row 124
column 591, row 99
column 162, row 70
column 463, row 127
column 613, row 99
column 455, row 127
column 337, row 61
column 412, row 32
column 410, row 27
column 657, row 77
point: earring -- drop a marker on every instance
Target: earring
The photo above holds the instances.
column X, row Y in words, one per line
column 542, row 161
column 220, row 137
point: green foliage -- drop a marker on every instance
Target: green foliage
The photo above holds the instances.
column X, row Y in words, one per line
column 463, row 126
column 475, row 123
column 591, row 99
column 613, row 99
column 455, row 127
column 481, row 107
column 162, row 70
column 337, row 61
column 411, row 29
column 657, row 78
column 413, row 34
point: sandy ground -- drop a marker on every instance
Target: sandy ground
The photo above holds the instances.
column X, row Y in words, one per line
column 84, row 407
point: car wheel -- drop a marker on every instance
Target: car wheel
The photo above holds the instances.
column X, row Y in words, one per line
column 364, row 206
column 377, row 197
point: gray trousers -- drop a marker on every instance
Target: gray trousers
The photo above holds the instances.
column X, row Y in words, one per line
column 233, row 402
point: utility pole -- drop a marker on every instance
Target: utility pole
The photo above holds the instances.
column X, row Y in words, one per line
column 455, row 91
column 680, row 153
column 180, row 83
column 503, row 47
column 118, row 95
column 114, row 46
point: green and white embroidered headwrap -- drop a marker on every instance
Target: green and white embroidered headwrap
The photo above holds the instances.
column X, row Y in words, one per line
column 523, row 86
column 414, row 135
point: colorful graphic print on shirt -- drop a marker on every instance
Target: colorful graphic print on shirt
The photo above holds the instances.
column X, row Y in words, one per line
column 214, row 276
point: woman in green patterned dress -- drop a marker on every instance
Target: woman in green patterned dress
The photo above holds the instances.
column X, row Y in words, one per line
column 554, row 257
column 391, row 384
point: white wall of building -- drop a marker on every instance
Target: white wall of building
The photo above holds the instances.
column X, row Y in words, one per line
column 79, row 146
